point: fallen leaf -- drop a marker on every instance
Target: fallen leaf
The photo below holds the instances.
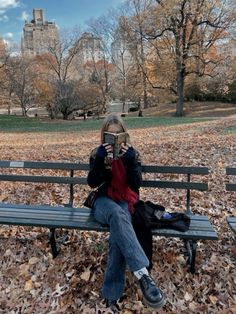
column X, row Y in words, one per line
column 28, row 285
column 24, row 268
column 85, row 275
column 33, row 260
column 233, row 308
column 8, row 253
column 188, row 296
column 213, row 299
column 3, row 197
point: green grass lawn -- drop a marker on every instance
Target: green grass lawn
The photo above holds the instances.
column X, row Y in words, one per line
column 25, row 124
column 231, row 130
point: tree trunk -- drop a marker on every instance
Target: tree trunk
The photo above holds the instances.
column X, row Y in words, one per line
column 180, row 70
column 9, row 109
column 65, row 115
column 143, row 69
column 123, row 106
column 145, row 100
column 180, row 94
column 124, row 95
column 23, row 110
column 9, row 104
column 51, row 111
column 140, row 111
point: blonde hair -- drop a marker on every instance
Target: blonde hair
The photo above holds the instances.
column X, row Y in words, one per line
column 112, row 118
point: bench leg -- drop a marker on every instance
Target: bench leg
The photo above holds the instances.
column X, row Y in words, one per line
column 191, row 247
column 52, row 242
column 56, row 244
column 192, row 262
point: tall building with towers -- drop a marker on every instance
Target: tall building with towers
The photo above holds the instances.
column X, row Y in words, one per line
column 38, row 35
column 90, row 48
column 2, row 48
column 2, row 52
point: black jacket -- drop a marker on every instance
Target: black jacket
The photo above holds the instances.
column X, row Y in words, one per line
column 100, row 172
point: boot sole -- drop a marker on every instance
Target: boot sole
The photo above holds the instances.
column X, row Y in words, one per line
column 157, row 305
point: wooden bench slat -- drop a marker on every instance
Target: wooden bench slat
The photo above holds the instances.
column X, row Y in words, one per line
column 175, row 169
column 46, row 208
column 231, row 219
column 175, row 185
column 86, row 225
column 230, row 186
column 190, row 234
column 43, row 165
column 232, row 223
column 44, row 216
column 62, row 211
column 43, row 179
column 230, row 171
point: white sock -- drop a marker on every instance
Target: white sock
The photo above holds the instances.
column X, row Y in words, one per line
column 140, row 272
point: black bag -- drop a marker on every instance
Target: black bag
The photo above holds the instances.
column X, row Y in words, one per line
column 92, row 196
column 154, row 216
column 144, row 213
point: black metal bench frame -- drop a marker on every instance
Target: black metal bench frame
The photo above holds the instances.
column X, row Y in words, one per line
column 69, row 217
column 231, row 187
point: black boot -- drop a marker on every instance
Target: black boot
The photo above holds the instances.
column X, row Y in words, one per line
column 112, row 304
column 151, row 293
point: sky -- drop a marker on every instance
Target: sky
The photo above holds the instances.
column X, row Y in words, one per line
column 65, row 13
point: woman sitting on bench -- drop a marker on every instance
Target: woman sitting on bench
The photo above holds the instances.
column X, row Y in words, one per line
column 119, row 180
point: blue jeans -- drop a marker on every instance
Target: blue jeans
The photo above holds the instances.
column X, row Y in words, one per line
column 124, row 247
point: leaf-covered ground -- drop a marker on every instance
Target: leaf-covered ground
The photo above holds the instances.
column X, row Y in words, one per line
column 32, row 282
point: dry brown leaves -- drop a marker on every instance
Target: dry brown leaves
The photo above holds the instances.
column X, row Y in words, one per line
column 32, row 282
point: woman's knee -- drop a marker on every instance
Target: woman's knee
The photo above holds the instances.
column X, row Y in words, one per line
column 119, row 216
column 106, row 209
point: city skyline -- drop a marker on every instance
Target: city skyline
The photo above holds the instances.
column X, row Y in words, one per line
column 70, row 13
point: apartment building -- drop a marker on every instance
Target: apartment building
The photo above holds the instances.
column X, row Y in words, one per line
column 38, row 35
column 89, row 48
column 121, row 52
column 2, row 50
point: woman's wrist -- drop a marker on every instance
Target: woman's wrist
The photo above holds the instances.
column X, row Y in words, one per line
column 129, row 156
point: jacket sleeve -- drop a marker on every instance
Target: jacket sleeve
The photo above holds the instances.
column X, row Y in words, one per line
column 98, row 173
column 134, row 172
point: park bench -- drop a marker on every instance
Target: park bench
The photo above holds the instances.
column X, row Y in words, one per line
column 231, row 187
column 69, row 217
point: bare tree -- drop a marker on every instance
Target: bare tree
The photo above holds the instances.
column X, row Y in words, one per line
column 59, row 64
column 116, row 49
column 122, row 57
column 100, row 72
column 20, row 81
column 132, row 28
column 69, row 98
column 5, row 84
column 193, row 28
